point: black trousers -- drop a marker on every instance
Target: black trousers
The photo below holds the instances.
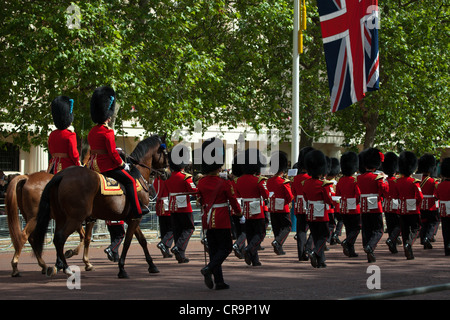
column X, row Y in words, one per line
column 255, row 230
column 429, row 220
column 392, row 225
column 410, row 225
column 446, row 234
column 219, row 244
column 302, row 229
column 372, row 229
column 116, row 234
column 352, row 223
column 166, row 230
column 183, row 227
column 130, row 188
column 281, row 225
column 319, row 232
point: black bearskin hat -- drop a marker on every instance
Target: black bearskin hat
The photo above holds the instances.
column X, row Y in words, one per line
column 253, row 163
column 103, row 104
column 390, row 164
column 335, row 167
column 427, row 164
column 445, row 168
column 279, row 158
column 62, row 112
column 236, row 168
column 316, row 164
column 179, row 157
column 301, row 158
column 361, row 166
column 407, row 163
column 349, row 163
column 213, row 155
column 372, row 158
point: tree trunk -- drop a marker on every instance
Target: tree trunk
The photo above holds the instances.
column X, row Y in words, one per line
column 370, row 122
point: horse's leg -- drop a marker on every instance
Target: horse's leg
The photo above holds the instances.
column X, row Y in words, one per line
column 29, row 227
column 59, row 240
column 143, row 242
column 87, row 241
column 73, row 252
column 132, row 225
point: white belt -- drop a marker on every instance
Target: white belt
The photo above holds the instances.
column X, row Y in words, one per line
column 367, row 195
column 214, row 206
column 445, row 205
column 251, row 199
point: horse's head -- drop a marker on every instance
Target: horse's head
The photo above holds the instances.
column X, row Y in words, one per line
column 150, row 155
column 160, row 159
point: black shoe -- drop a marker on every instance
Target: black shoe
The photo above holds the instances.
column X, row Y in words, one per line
column 237, row 252
column 109, row 254
column 322, row 265
column 345, row 248
column 391, row 245
column 177, row 254
column 164, row 250
column 247, row 257
column 207, row 274
column 314, row 261
column 427, row 244
column 370, row 255
column 408, row 252
column 222, row 286
column 256, row 264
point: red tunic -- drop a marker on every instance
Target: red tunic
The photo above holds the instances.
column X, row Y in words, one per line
column 253, row 191
column 428, row 186
column 280, row 194
column 104, row 156
column 297, row 191
column 442, row 193
column 407, row 191
column 373, row 187
column 62, row 145
column 179, row 184
column 162, row 202
column 347, row 188
column 390, row 203
column 317, row 193
column 216, row 194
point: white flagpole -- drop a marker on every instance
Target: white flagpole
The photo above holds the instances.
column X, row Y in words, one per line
column 295, row 141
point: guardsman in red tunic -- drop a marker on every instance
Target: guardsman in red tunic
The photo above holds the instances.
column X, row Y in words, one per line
column 253, row 190
column 181, row 188
column 105, row 158
column 280, row 202
column 317, row 194
column 164, row 219
column 407, row 191
column 335, row 223
column 348, row 191
column 62, row 143
column 442, row 193
column 429, row 210
column 216, row 195
column 300, row 204
column 390, row 203
column 238, row 221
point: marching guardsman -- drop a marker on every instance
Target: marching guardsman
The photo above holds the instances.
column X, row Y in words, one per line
column 335, row 223
column 238, row 221
column 105, row 158
column 373, row 187
column 429, row 210
column 349, row 206
column 407, row 191
column 164, row 219
column 442, row 193
column 390, row 204
column 253, row 190
column 317, row 194
column 216, row 195
column 62, row 142
column 180, row 187
column 300, row 204
column 280, row 201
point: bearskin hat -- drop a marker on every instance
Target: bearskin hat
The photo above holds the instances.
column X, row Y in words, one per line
column 179, row 157
column 213, row 155
column 372, row 158
column 236, row 168
column 427, row 164
column 301, row 157
column 103, row 104
column 280, row 161
column 62, row 112
column 316, row 164
column 349, row 163
column 407, row 163
column 445, row 168
column 390, row 164
column 253, row 162
column 335, row 167
column 361, row 166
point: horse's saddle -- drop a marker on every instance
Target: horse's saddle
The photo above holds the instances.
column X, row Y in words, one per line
column 111, row 187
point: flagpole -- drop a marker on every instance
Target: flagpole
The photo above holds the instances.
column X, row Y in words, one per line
column 295, row 143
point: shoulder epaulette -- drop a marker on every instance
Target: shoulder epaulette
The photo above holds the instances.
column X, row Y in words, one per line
column 355, row 179
column 186, row 175
column 261, row 178
column 327, row 182
column 380, row 176
column 417, row 181
column 286, row 181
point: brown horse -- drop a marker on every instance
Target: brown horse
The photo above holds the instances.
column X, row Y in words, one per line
column 24, row 193
column 74, row 195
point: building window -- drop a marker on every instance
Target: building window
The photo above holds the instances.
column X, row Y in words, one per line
column 9, row 157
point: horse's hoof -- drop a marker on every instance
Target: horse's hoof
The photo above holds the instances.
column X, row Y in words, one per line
column 89, row 267
column 51, row 271
column 122, row 274
column 16, row 274
column 153, row 269
column 69, row 254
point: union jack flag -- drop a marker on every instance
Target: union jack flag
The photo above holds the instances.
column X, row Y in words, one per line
column 350, row 40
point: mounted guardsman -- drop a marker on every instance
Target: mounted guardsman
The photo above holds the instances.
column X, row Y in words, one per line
column 429, row 214
column 216, row 195
column 409, row 194
column 442, row 193
column 105, row 158
column 62, row 142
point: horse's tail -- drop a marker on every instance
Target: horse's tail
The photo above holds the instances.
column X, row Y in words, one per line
column 43, row 216
column 11, row 208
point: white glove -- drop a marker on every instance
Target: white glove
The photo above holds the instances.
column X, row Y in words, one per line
column 126, row 167
column 242, row 220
